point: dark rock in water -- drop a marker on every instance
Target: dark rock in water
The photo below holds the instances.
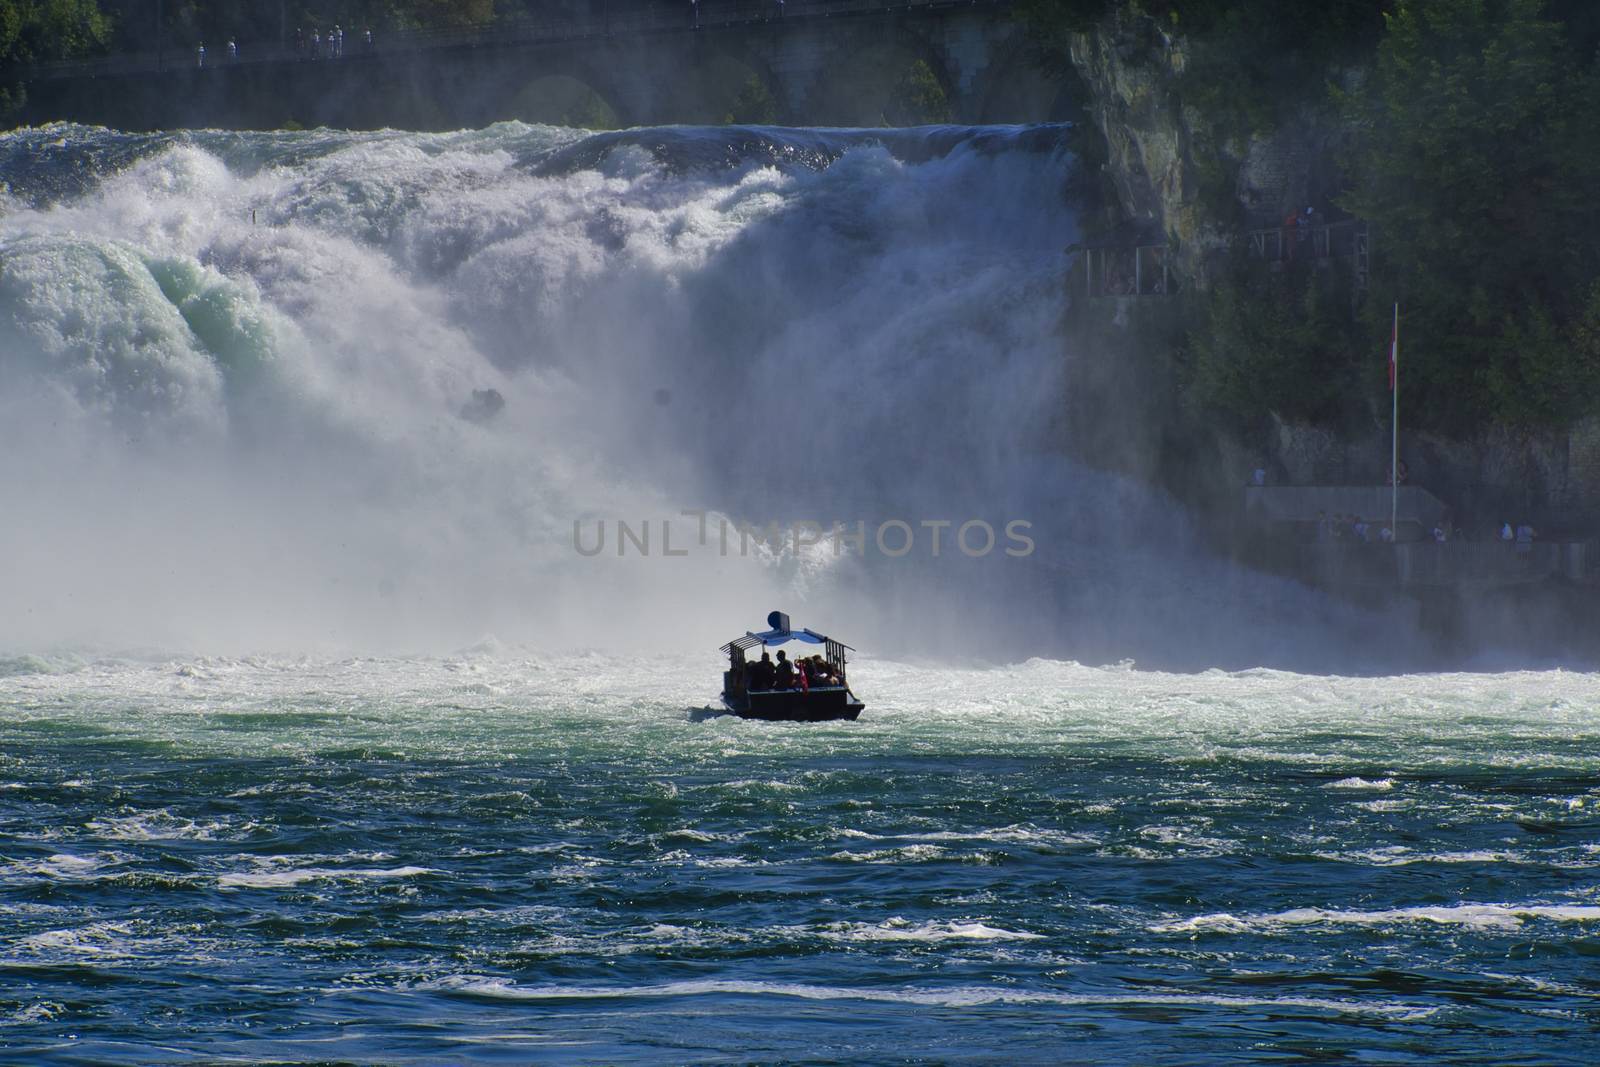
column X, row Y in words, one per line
column 484, row 405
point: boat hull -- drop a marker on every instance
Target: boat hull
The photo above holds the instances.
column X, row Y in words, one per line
column 822, row 704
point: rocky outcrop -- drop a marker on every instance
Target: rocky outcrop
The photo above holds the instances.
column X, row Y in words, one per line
column 1181, row 170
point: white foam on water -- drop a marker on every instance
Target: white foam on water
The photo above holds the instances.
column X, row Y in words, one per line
column 1381, row 785
column 62, row 867
column 898, row 929
column 163, row 825
column 954, row 997
column 634, row 708
column 906, row 854
column 1402, row 856
column 296, row 875
column 1471, row 916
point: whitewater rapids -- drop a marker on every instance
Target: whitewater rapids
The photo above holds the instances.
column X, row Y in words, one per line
column 508, row 852
column 241, row 382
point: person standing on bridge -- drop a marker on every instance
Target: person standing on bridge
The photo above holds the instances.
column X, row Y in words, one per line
column 316, row 45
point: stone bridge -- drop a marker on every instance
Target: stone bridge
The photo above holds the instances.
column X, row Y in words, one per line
column 805, row 61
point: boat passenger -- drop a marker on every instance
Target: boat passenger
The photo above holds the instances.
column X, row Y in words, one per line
column 762, row 673
column 785, row 671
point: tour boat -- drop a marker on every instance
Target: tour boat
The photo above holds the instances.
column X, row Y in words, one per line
column 816, row 703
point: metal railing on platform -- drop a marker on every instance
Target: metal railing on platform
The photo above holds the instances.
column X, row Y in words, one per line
column 1145, row 270
column 1320, row 243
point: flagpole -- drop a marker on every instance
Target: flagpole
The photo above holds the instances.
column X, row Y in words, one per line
column 1394, row 423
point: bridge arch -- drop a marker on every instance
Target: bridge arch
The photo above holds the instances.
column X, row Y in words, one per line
column 729, row 84
column 566, row 93
column 896, row 79
column 1019, row 86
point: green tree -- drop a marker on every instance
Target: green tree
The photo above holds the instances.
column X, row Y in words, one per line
column 1474, row 162
column 916, row 98
column 1283, row 342
column 753, row 106
column 33, row 31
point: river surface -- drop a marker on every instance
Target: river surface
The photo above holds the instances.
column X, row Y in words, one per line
column 500, row 856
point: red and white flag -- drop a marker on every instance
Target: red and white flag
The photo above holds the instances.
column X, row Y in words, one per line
column 1394, row 348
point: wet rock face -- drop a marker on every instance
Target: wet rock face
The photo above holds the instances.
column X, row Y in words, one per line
column 1129, row 67
column 1162, row 151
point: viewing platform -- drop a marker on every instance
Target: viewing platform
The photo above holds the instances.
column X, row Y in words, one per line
column 1322, row 244
column 1135, row 259
column 1132, row 260
column 1289, row 537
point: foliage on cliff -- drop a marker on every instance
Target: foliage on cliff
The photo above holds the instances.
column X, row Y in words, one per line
column 1475, row 159
column 34, row 31
column 1279, row 341
column 1246, row 62
column 1472, row 146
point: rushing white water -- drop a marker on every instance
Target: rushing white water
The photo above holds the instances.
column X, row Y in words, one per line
column 234, row 369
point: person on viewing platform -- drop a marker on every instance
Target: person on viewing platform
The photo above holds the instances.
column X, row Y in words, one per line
column 233, row 51
column 1360, row 527
column 694, row 20
column 1525, row 535
column 1440, row 534
column 200, row 55
column 299, row 42
column 1505, row 532
column 366, row 39
column 338, row 41
column 316, row 45
column 1386, row 535
column 1259, row 475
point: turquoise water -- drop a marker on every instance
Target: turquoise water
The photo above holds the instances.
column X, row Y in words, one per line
column 501, row 857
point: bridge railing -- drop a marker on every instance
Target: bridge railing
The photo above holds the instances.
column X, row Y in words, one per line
column 622, row 21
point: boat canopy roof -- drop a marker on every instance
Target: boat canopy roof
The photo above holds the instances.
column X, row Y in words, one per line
column 780, row 634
